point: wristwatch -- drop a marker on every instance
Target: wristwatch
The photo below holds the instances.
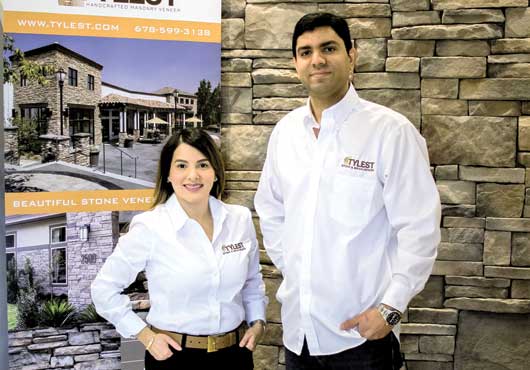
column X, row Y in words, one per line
column 251, row 324
column 391, row 315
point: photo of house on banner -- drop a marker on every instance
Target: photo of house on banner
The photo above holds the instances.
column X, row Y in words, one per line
column 81, row 110
column 52, row 260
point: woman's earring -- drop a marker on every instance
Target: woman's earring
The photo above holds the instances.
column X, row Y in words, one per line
column 214, row 180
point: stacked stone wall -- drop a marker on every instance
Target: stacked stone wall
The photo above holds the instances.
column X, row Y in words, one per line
column 460, row 71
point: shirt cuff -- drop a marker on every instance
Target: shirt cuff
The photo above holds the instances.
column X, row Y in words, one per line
column 255, row 311
column 397, row 296
column 130, row 325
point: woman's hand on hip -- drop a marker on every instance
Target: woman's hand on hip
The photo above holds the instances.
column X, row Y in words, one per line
column 252, row 336
column 157, row 344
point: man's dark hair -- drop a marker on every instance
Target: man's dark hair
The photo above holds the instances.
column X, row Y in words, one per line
column 313, row 20
column 203, row 142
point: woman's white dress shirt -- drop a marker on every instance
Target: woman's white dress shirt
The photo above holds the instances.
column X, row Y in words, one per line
column 196, row 286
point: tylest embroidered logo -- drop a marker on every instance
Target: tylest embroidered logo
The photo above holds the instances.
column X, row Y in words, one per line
column 356, row 164
column 231, row 248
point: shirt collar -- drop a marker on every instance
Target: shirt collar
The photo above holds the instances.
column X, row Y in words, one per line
column 179, row 217
column 337, row 112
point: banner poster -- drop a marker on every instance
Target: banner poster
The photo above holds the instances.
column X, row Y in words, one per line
column 92, row 88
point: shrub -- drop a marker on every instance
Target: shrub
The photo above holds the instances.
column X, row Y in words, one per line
column 57, row 313
column 27, row 301
column 12, row 282
column 28, row 135
column 90, row 314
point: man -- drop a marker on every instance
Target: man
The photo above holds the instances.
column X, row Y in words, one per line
column 348, row 209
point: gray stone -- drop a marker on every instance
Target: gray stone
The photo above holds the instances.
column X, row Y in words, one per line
column 509, row 58
column 507, row 272
column 236, row 100
column 499, row 175
column 236, row 79
column 433, row 316
column 88, row 337
column 409, row 343
column 508, row 224
column 406, row 102
column 232, row 31
column 256, row 53
column 356, row 10
column 241, row 197
column 457, row 268
column 269, row 117
column 241, row 185
column 265, row 357
column 495, row 108
column 279, row 90
column 449, row 172
column 236, row 118
column 489, row 305
column 444, row 344
column 457, row 4
column 507, row 46
column 244, row 147
column 500, row 200
column 495, row 89
column 521, row 289
column 236, row 65
column 458, row 210
column 386, row 80
column 475, row 292
column 233, row 8
column 456, row 192
column 400, row 19
column 62, row 361
column 53, row 338
column 524, row 160
column 492, row 341
column 410, row 48
column 280, row 63
column 273, row 335
column 515, row 70
column 277, row 103
column 448, row 32
column 409, row 5
column 366, row 28
column 474, row 222
column 521, row 249
column 427, row 357
column 270, row 26
column 526, row 107
column 477, row 281
column 25, row 358
column 485, row 141
column 453, row 67
column 431, row 295
column 524, row 133
column 402, row 64
column 462, row 235
column 77, row 350
column 109, row 334
column 497, row 247
column 439, row 88
column 448, row 107
column 48, row 345
column 273, row 76
column 273, row 308
column 45, row 332
column 371, row 55
column 429, row 329
column 429, row 365
column 102, row 364
column 473, row 16
column 517, row 22
column 460, row 251
column 449, row 48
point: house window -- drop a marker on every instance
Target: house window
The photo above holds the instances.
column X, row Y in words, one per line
column 23, row 81
column 58, row 254
column 82, row 121
column 11, row 240
column 91, row 83
column 38, row 114
column 72, row 77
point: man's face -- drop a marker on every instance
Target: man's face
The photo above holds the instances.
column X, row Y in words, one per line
column 322, row 62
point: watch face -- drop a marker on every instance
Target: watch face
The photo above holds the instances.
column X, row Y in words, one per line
column 393, row 318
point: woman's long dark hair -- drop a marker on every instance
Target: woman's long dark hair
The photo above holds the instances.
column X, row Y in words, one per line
column 203, row 142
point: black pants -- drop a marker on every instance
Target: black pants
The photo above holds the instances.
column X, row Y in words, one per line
column 380, row 354
column 233, row 358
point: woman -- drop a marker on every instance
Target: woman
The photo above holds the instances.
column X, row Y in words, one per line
column 201, row 260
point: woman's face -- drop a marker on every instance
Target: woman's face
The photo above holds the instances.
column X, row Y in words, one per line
column 191, row 175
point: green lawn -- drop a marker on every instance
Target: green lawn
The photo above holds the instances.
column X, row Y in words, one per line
column 11, row 316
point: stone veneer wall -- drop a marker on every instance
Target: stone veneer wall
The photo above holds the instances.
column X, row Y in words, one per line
column 460, row 71
column 87, row 347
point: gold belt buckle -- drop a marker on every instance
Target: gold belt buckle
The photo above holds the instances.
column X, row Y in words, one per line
column 212, row 345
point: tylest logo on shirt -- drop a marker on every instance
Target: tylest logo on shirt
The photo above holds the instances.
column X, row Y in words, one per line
column 231, row 248
column 356, row 164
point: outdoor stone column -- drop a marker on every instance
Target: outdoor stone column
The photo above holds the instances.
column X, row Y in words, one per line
column 11, row 155
column 136, row 131
column 55, row 148
column 82, row 149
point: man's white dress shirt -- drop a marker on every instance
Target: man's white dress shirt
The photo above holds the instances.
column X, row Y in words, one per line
column 196, row 286
column 351, row 218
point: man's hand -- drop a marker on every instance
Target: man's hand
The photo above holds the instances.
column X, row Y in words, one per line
column 370, row 323
column 252, row 336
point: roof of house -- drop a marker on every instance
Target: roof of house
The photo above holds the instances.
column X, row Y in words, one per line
column 169, row 90
column 22, row 219
column 58, row 47
column 115, row 98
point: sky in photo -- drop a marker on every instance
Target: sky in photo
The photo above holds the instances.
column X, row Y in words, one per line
column 141, row 65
